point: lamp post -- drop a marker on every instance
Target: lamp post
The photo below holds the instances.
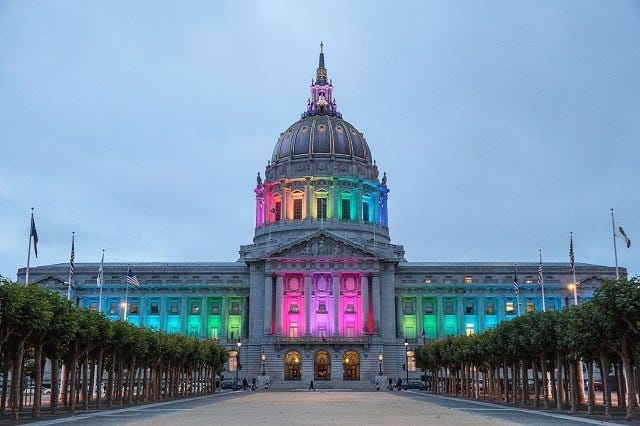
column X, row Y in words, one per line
column 380, row 359
column 406, row 359
column 238, row 365
column 574, row 286
column 124, row 306
column 263, row 357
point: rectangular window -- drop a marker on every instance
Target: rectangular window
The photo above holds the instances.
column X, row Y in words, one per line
column 470, row 329
column 321, row 206
column 427, row 279
column 448, row 307
column 195, row 307
column 469, row 309
column 509, row 308
column 530, row 308
column 428, row 307
column 214, row 309
column 322, row 308
column 113, row 308
column 350, row 309
column 174, row 309
column 550, row 305
column 346, row 209
column 133, row 308
column 214, row 333
column 297, row 208
column 468, row 279
column 447, row 279
column 350, row 330
column 235, row 307
column 293, row 309
column 488, row 279
column 365, row 211
column 278, row 209
column 528, row 279
column 93, row 306
column 407, row 307
column 293, row 329
column 154, row 309
column 489, row 308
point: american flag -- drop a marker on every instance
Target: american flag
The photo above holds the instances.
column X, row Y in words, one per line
column 572, row 258
column 34, row 234
column 72, row 259
column 516, row 287
column 540, row 274
column 131, row 278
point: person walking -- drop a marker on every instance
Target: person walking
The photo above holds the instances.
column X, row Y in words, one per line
column 311, row 388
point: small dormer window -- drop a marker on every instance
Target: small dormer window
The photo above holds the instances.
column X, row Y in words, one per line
column 322, row 308
column 350, row 309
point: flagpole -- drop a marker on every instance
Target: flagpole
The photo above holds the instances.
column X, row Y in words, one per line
column 101, row 283
column 615, row 250
column 126, row 296
column 575, row 283
column 26, row 279
column 544, row 306
column 517, row 287
column 73, row 236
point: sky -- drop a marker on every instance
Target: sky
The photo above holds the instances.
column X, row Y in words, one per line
column 140, row 126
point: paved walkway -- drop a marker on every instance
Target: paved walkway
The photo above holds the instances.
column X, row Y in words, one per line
column 317, row 408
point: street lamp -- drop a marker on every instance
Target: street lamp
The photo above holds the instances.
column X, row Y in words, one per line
column 574, row 287
column 238, row 365
column 380, row 359
column 124, row 306
column 263, row 357
column 406, row 359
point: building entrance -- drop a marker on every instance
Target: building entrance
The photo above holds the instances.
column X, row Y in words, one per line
column 351, row 366
column 322, row 366
column 292, row 366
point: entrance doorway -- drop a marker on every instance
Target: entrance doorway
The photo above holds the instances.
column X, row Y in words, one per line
column 322, row 366
column 351, row 366
column 292, row 366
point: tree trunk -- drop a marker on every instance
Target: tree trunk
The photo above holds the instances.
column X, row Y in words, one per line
column 620, row 385
column 85, row 382
column 119, row 382
column 536, row 388
column 37, row 394
column 110, row 381
column 591, row 395
column 16, row 380
column 73, row 374
column 524, row 379
column 629, row 382
column 514, row 383
column 98, row 380
column 573, row 391
column 545, row 383
column 92, row 381
column 55, row 385
column 606, row 390
column 559, row 382
column 5, row 386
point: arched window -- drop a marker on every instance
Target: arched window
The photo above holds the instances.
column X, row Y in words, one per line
column 292, row 366
column 351, row 366
column 322, row 366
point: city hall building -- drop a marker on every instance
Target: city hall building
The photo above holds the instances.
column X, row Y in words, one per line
column 322, row 293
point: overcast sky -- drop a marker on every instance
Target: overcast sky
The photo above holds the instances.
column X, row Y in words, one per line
column 502, row 126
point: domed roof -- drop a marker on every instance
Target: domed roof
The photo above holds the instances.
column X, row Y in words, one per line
column 321, row 136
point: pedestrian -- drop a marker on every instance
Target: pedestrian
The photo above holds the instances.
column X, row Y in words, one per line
column 311, row 388
column 399, row 383
column 390, row 386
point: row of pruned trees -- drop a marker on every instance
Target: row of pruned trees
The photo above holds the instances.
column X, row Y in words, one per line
column 139, row 364
column 536, row 358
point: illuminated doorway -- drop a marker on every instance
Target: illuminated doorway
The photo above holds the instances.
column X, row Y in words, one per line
column 292, row 366
column 351, row 366
column 322, row 366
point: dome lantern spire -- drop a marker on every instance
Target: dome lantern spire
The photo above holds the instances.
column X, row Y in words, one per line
column 322, row 102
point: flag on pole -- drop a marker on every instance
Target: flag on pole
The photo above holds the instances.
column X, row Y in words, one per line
column 516, row 287
column 620, row 234
column 33, row 234
column 540, row 274
column 72, row 259
column 572, row 259
column 132, row 279
column 101, row 272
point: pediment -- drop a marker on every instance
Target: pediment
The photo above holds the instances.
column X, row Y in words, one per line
column 321, row 245
column 50, row 280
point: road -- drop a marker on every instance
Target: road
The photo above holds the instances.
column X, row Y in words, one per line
column 321, row 407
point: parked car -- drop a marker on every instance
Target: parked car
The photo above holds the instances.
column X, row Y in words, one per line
column 227, row 384
column 597, row 385
column 413, row 385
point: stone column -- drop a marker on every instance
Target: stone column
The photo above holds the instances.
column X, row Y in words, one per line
column 142, row 311
column 335, row 199
column 183, row 316
column 244, row 329
column 307, row 305
column 480, row 315
column 358, row 201
column 461, row 316
column 419, row 323
column 399, row 329
column 364, row 296
column 440, row 325
column 336, row 305
column 163, row 313
column 279, row 305
column 308, row 189
column 224, row 302
column 255, row 312
column 204, row 326
column 267, row 305
column 376, row 304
